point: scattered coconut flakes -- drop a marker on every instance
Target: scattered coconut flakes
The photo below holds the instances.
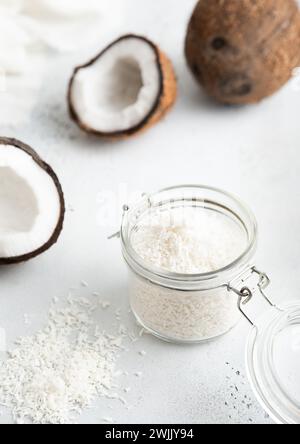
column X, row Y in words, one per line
column 122, row 329
column 142, row 353
column 50, row 377
column 132, row 337
column 26, row 319
column 117, row 397
column 104, row 304
column 84, row 284
column 126, row 389
column 138, row 374
column 107, row 420
column 71, row 298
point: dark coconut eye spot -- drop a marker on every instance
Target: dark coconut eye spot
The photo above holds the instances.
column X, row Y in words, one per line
column 236, row 85
column 218, row 43
column 244, row 89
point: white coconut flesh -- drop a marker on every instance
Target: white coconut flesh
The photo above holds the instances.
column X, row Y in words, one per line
column 29, row 204
column 120, row 89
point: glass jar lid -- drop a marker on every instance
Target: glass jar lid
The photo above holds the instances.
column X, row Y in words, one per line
column 273, row 362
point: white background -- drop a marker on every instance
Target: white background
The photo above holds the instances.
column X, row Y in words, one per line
column 250, row 151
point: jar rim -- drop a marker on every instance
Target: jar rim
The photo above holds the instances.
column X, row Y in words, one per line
column 173, row 279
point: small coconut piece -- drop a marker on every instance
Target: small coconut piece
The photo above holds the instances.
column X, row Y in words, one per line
column 124, row 90
column 32, row 204
column 243, row 51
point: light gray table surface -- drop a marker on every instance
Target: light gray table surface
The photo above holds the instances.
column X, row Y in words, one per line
column 251, row 151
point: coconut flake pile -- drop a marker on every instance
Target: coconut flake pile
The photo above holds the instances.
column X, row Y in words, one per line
column 53, row 375
column 189, row 240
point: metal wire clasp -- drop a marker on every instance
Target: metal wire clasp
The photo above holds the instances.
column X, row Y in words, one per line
column 246, row 294
column 117, row 235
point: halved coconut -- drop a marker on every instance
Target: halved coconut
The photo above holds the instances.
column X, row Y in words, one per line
column 127, row 88
column 32, row 205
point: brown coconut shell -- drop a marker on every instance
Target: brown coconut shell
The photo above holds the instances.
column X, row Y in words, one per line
column 243, row 51
column 57, row 231
column 164, row 101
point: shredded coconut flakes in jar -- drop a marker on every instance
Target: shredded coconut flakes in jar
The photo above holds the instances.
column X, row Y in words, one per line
column 188, row 241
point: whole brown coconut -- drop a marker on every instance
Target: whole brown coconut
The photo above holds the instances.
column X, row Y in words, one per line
column 242, row 51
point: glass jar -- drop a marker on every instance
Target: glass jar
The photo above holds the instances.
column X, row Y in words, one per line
column 194, row 308
column 187, row 307
column 273, row 362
